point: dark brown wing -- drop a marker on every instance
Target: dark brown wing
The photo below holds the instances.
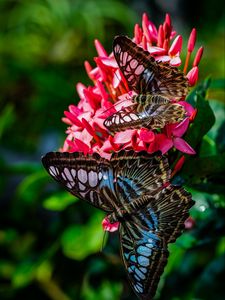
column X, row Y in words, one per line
column 144, row 74
column 151, row 116
column 88, row 177
column 106, row 184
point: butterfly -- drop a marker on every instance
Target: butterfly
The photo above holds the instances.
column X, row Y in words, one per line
column 155, row 83
column 134, row 189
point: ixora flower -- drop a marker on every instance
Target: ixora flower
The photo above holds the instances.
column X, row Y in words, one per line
column 110, row 92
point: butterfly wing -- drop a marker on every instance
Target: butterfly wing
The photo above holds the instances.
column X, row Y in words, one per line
column 144, row 238
column 152, row 116
column 144, row 74
column 108, row 184
column 138, row 173
column 88, row 177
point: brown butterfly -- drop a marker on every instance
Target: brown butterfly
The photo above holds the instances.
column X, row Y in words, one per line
column 154, row 82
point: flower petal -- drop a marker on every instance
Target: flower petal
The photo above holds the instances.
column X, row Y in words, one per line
column 163, row 58
column 183, row 146
column 156, row 50
column 176, row 46
column 192, row 76
column 111, row 227
column 175, row 61
column 146, row 135
column 100, row 49
column 116, row 79
column 124, row 136
column 163, row 142
column 188, row 107
column 198, row 57
column 192, row 40
column 181, row 128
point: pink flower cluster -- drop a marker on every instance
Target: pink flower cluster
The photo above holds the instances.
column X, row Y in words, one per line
column 86, row 132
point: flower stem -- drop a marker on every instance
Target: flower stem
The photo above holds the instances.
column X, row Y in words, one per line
column 187, row 62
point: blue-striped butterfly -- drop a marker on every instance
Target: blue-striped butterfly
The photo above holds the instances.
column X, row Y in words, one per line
column 134, row 189
column 155, row 83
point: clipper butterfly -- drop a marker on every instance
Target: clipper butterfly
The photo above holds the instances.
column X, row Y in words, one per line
column 155, row 83
column 134, row 189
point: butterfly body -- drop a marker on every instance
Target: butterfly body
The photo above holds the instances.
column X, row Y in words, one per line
column 148, row 78
column 134, row 189
column 150, row 111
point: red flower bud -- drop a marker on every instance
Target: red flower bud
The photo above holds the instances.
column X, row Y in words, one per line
column 160, row 36
column 192, row 40
column 192, row 76
column 198, row 57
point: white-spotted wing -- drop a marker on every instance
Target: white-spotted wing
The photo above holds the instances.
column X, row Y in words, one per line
column 144, row 74
column 155, row 113
column 132, row 188
column 155, row 83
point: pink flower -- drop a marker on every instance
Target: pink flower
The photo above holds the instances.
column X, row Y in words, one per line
column 110, row 93
column 193, row 76
column 192, row 40
column 172, row 138
column 189, row 223
column 198, row 57
column 111, row 227
column 174, row 53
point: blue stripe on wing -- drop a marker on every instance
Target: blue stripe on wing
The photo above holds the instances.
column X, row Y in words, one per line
column 144, row 257
column 129, row 188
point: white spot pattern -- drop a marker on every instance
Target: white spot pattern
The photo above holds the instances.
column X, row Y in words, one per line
column 81, row 186
column 134, row 117
column 92, row 178
column 69, row 185
column 64, row 177
column 127, row 119
column 133, row 63
column 139, row 70
column 53, row 171
column 82, row 175
column 73, row 172
column 68, row 174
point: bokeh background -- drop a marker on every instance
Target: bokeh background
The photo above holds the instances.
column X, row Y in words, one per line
column 50, row 242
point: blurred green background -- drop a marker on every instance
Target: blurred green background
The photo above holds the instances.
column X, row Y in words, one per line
column 50, row 242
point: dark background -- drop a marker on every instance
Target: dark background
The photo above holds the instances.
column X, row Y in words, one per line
column 49, row 249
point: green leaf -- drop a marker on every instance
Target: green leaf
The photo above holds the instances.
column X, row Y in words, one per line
column 7, row 269
column 212, row 276
column 29, row 187
column 217, row 83
column 203, row 122
column 208, row 147
column 44, row 271
column 24, row 273
column 106, row 291
column 196, row 169
column 220, row 138
column 59, row 201
column 79, row 241
column 7, row 117
column 201, row 90
column 221, row 246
